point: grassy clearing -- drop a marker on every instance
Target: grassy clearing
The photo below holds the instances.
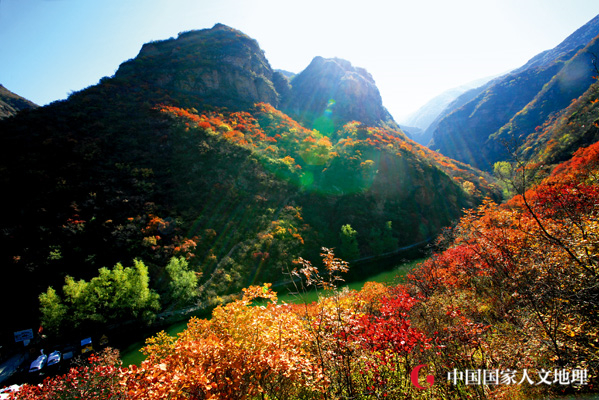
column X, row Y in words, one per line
column 131, row 355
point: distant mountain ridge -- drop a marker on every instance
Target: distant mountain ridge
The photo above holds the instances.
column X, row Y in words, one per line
column 513, row 105
column 565, row 132
column 11, row 103
column 428, row 113
column 456, row 104
column 566, row 48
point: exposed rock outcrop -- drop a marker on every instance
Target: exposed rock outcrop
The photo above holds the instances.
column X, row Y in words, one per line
column 11, row 103
column 331, row 92
column 220, row 66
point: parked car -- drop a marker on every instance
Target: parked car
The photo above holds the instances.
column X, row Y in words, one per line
column 38, row 363
column 5, row 392
column 68, row 352
column 54, row 358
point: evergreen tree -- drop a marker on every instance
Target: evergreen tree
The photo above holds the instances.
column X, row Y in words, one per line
column 349, row 243
column 382, row 241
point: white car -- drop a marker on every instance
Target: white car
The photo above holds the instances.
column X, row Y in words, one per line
column 38, row 363
column 54, row 358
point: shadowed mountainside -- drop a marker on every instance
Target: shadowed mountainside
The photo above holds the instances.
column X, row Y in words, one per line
column 512, row 106
column 332, row 92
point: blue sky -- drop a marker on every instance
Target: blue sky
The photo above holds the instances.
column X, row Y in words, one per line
column 414, row 49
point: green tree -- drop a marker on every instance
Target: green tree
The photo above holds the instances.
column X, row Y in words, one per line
column 504, row 172
column 383, row 241
column 144, row 301
column 389, row 241
column 114, row 295
column 121, row 293
column 349, row 243
column 52, row 310
column 75, row 298
column 183, row 282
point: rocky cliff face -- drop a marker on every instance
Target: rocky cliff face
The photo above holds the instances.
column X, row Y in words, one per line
column 226, row 68
column 219, row 66
column 331, row 92
column 11, row 103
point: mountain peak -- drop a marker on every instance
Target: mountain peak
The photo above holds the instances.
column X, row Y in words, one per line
column 218, row 25
column 218, row 28
column 343, row 66
column 332, row 90
column 220, row 66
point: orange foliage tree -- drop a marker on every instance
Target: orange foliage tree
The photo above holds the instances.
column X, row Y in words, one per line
column 522, row 278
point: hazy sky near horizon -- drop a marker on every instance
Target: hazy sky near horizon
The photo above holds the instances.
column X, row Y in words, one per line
column 414, row 49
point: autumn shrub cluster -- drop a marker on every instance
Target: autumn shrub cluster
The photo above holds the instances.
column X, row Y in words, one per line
column 517, row 287
column 348, row 345
column 512, row 288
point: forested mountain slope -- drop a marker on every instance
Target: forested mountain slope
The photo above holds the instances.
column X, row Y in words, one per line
column 512, row 106
column 512, row 291
column 149, row 165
